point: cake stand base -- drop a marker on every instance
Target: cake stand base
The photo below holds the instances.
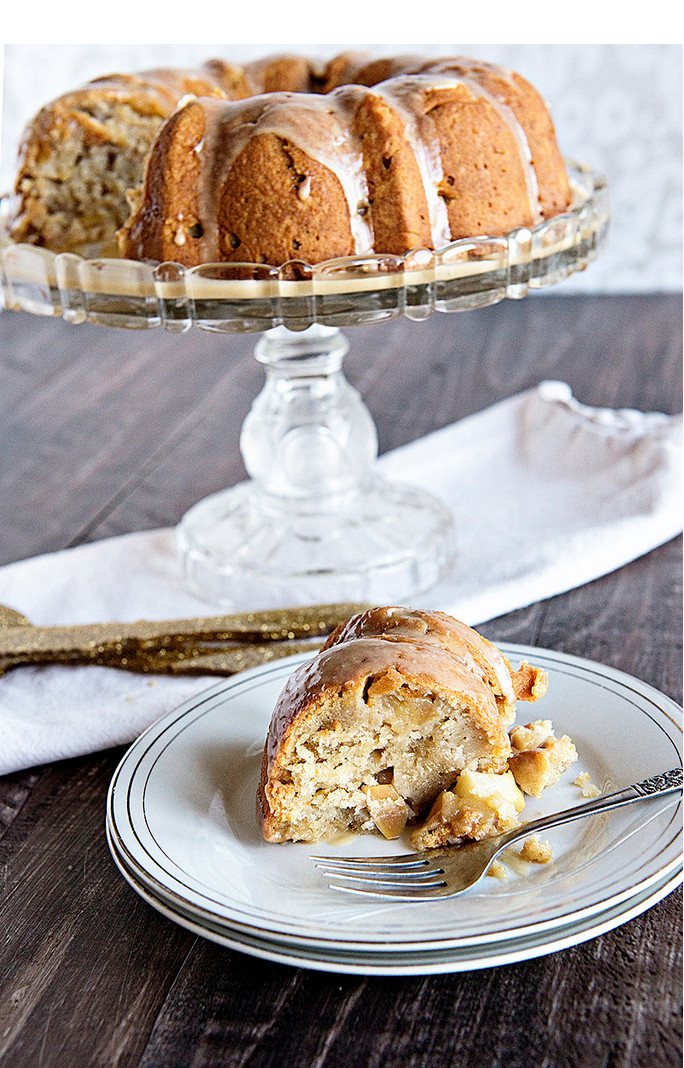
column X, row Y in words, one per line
column 314, row 523
column 388, row 543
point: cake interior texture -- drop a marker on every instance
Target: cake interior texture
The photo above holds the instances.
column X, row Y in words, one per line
column 386, row 733
column 82, row 157
column 76, row 193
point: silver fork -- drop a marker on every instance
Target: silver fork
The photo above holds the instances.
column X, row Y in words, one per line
column 449, row 870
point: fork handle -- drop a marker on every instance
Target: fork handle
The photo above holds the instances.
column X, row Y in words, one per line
column 668, row 782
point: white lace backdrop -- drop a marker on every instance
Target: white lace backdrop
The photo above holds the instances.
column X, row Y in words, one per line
column 615, row 106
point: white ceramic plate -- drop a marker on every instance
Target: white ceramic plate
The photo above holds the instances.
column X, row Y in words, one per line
column 415, row 962
column 182, row 825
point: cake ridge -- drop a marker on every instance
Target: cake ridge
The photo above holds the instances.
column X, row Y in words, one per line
column 427, row 155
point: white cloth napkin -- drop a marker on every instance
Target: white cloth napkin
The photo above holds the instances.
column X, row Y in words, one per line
column 547, row 494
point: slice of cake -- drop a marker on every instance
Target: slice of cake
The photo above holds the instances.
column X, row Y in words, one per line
column 398, row 707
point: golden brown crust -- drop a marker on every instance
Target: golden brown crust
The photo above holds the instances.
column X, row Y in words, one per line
column 281, row 73
column 517, row 94
column 264, row 219
column 398, row 208
column 357, row 67
column 484, row 183
column 166, row 225
column 262, row 807
column 343, row 69
column 554, row 188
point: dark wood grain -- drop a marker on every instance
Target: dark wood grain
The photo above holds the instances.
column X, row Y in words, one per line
column 106, row 431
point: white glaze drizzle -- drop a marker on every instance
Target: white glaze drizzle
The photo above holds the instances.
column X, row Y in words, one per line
column 470, row 79
column 318, row 125
column 402, row 95
column 321, row 126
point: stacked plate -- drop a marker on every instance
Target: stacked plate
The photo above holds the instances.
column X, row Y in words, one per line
column 182, row 829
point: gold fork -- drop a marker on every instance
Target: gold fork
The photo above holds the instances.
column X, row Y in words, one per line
column 205, row 645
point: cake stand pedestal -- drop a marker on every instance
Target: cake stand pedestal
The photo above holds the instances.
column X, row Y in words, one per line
column 315, row 522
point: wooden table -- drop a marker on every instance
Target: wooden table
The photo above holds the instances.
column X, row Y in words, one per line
column 106, row 431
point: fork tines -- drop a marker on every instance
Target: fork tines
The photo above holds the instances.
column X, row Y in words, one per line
column 404, row 860
column 404, row 877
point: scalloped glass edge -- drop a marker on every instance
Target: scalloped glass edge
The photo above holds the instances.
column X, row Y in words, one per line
column 466, row 274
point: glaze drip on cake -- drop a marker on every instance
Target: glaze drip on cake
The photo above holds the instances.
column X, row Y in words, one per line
column 318, row 125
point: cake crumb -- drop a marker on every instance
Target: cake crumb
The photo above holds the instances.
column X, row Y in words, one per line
column 536, row 851
column 538, row 757
column 497, row 871
column 587, row 788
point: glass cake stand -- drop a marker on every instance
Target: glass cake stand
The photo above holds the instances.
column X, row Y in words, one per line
column 314, row 522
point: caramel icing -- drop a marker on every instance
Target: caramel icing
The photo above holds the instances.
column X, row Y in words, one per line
column 474, row 651
column 317, row 124
column 351, row 662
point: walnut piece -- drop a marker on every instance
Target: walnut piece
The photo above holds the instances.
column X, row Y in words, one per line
column 536, row 851
column 587, row 788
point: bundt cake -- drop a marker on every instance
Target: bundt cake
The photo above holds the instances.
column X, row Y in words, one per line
column 281, row 160
column 394, row 709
